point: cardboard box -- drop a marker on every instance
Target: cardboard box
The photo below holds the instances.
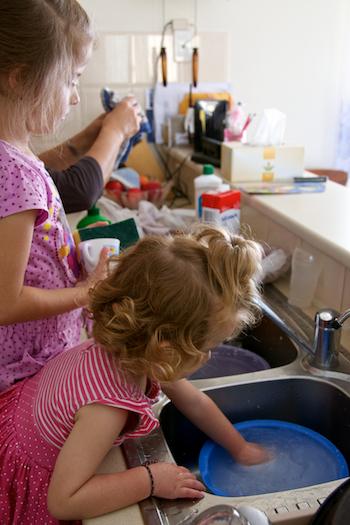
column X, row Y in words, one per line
column 222, row 208
column 245, row 163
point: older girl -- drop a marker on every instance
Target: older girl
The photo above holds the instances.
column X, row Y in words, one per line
column 44, row 46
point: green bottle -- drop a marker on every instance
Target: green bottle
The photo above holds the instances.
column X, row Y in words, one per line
column 93, row 216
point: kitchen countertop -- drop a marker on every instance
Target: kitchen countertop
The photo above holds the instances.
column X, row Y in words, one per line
column 322, row 219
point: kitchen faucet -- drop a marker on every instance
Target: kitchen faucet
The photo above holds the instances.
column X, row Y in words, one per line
column 324, row 350
column 327, row 334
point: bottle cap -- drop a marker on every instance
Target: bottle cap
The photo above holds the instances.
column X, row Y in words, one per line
column 92, row 216
column 208, row 169
column 94, row 210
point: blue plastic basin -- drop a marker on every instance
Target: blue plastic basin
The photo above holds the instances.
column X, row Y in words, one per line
column 301, row 457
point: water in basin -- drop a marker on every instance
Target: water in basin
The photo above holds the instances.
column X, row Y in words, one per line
column 311, row 402
column 300, row 457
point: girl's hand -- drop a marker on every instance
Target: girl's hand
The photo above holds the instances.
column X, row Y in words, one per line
column 252, row 454
column 172, row 482
column 125, row 118
column 99, row 273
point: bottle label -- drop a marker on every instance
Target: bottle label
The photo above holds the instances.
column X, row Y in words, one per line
column 229, row 219
column 200, row 207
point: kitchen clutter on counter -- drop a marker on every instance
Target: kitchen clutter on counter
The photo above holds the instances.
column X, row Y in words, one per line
column 265, row 157
column 148, row 218
column 127, row 188
column 90, row 241
column 275, row 263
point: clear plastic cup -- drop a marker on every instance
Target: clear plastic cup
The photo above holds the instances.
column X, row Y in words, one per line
column 306, row 269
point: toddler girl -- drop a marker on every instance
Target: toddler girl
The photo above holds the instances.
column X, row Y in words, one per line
column 167, row 302
column 44, row 46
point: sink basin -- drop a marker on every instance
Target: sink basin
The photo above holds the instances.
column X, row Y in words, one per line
column 287, row 391
column 269, row 342
column 266, row 340
column 310, row 402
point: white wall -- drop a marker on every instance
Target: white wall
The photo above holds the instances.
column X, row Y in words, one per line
column 282, row 53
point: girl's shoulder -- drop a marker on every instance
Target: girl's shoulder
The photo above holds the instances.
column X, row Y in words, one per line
column 24, row 183
column 13, row 158
column 92, row 374
column 104, row 367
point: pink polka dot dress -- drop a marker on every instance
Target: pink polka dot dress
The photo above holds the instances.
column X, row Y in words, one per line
column 37, row 415
column 25, row 185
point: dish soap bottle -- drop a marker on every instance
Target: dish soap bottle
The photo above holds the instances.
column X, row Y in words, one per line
column 93, row 216
column 207, row 182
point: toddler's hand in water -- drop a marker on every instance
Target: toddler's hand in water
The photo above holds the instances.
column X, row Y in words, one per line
column 253, row 454
column 172, row 482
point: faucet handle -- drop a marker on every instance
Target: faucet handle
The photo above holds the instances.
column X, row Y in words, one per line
column 331, row 319
column 326, row 317
column 341, row 318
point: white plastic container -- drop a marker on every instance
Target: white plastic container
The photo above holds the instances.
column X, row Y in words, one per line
column 306, row 269
column 207, row 182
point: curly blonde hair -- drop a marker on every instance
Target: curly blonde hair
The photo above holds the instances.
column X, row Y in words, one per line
column 168, row 296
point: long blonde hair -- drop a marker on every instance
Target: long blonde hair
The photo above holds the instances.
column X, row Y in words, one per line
column 168, row 295
column 41, row 41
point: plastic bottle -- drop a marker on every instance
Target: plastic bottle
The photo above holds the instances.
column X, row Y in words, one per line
column 206, row 182
column 93, row 216
column 235, row 120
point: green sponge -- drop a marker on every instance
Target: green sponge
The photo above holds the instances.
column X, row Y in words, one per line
column 125, row 231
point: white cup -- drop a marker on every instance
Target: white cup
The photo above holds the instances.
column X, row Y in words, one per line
column 306, row 269
column 90, row 251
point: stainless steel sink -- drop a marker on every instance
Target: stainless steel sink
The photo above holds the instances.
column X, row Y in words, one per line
column 287, row 391
column 311, row 402
column 268, row 341
column 265, row 339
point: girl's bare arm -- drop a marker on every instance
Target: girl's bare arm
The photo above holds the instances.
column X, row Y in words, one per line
column 206, row 415
column 77, row 492
column 21, row 303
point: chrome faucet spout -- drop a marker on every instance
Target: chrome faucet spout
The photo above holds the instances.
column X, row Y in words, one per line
column 326, row 339
column 324, row 349
column 286, row 324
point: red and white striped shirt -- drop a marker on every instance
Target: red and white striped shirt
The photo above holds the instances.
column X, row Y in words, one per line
column 81, row 376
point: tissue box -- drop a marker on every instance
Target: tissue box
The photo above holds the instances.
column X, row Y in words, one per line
column 243, row 163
